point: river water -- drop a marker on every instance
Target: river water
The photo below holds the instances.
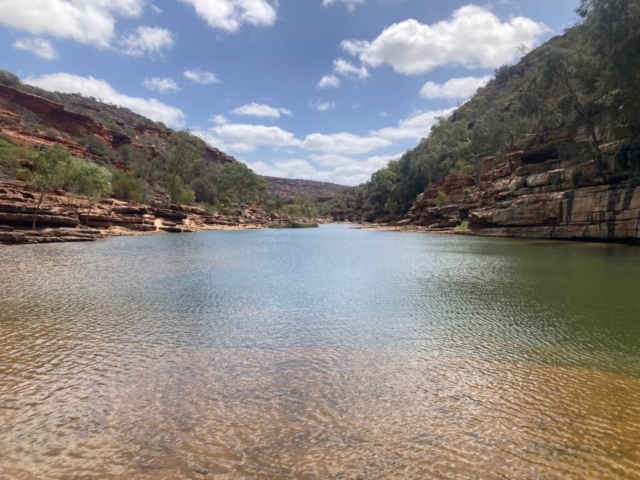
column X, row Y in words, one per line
column 320, row 353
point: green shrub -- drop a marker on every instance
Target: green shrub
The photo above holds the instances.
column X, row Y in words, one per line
column 10, row 156
column 96, row 145
column 442, row 199
column 128, row 187
column 463, row 227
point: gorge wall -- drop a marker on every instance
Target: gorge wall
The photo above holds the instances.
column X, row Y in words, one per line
column 16, row 106
column 534, row 193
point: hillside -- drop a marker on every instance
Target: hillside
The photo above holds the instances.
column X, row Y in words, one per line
column 287, row 188
column 550, row 148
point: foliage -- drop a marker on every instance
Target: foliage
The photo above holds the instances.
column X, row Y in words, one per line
column 96, row 145
column 239, row 183
column 463, row 227
column 129, row 187
column 442, row 200
column 10, row 156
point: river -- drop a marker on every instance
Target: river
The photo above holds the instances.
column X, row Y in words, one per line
column 319, row 353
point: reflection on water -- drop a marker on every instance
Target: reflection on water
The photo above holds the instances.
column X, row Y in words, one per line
column 331, row 353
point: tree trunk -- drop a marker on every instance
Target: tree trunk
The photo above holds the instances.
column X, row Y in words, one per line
column 35, row 214
column 88, row 213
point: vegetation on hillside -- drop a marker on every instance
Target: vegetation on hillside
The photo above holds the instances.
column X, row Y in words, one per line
column 584, row 81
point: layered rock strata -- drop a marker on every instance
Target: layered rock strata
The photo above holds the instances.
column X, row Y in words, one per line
column 64, row 217
column 533, row 193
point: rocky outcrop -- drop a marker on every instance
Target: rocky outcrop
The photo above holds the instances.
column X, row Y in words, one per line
column 71, row 126
column 534, row 193
column 65, row 218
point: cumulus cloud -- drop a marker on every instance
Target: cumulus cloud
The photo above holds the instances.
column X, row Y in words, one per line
column 219, row 119
column 351, row 4
column 85, row 21
column 473, row 37
column 38, row 46
column 161, row 85
column 338, row 169
column 343, row 143
column 246, row 138
column 348, row 69
column 322, row 106
column 329, row 81
column 201, row 77
column 454, row 89
column 415, row 127
column 260, row 110
column 230, row 15
column 146, row 41
column 350, row 171
column 92, row 87
column 294, row 168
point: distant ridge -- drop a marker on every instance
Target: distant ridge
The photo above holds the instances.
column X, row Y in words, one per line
column 290, row 188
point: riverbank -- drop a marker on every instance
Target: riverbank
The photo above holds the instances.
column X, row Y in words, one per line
column 66, row 218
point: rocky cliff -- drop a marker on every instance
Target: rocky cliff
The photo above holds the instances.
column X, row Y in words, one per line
column 34, row 122
column 66, row 218
column 534, row 193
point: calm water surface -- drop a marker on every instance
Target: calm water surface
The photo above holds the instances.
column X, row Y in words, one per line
column 313, row 354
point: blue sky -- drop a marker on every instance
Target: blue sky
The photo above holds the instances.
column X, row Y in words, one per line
column 327, row 90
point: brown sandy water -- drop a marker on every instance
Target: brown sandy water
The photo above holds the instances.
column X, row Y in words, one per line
column 331, row 353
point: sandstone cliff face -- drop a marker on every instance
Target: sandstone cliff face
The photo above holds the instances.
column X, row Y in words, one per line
column 534, row 194
column 15, row 104
column 63, row 217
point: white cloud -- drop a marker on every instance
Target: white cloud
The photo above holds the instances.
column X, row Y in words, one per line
column 200, row 76
column 246, row 138
column 350, row 171
column 146, row 41
column 351, row 4
column 348, row 69
column 322, row 106
column 85, row 21
column 329, row 81
column 383, row 115
column 92, row 87
column 38, row 46
column 230, row 15
column 454, row 89
column 473, row 37
column 219, row 119
column 343, row 143
column 294, row 168
column 415, row 127
column 162, row 85
column 260, row 110
column 155, row 9
column 338, row 169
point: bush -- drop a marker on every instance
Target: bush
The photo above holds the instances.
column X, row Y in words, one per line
column 128, row 187
column 442, row 199
column 463, row 227
column 96, row 145
column 10, row 156
column 180, row 193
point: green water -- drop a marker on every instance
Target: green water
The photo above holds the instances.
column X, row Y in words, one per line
column 319, row 353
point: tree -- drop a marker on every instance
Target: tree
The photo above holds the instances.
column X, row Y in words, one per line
column 93, row 182
column 52, row 171
column 239, row 183
column 185, row 156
